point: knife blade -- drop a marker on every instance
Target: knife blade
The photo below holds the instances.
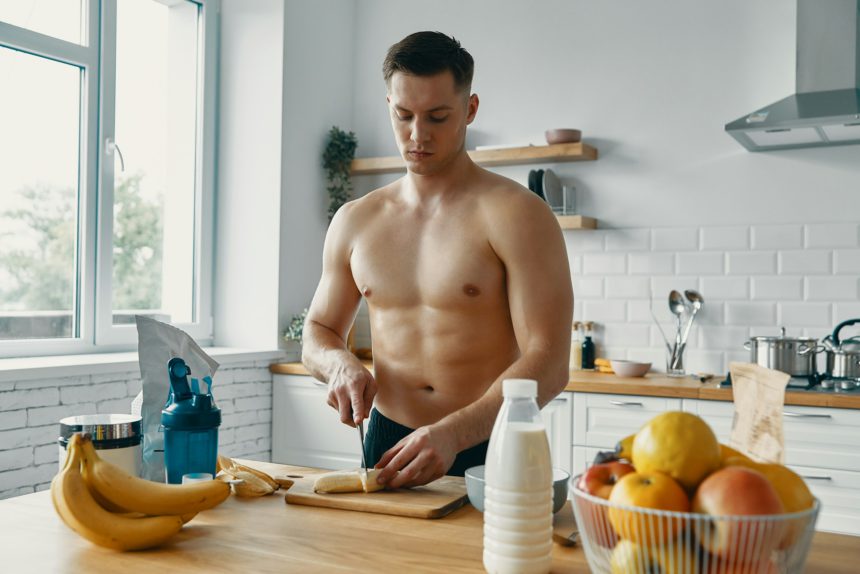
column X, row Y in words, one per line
column 360, row 427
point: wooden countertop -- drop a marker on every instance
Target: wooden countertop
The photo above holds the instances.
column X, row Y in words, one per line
column 264, row 535
column 654, row 384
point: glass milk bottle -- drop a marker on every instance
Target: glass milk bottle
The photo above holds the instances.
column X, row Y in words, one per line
column 518, row 486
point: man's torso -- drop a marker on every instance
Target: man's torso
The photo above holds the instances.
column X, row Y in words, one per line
column 437, row 299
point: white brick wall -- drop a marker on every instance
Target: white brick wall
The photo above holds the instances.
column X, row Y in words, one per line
column 754, row 279
column 30, row 412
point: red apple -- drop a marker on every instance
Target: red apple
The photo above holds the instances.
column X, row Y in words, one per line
column 738, row 491
column 599, row 479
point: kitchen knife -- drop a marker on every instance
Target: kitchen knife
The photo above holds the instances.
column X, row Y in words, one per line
column 360, row 427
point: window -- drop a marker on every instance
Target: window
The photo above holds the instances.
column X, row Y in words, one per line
column 106, row 189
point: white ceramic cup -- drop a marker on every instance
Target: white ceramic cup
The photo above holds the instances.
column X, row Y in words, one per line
column 196, row 477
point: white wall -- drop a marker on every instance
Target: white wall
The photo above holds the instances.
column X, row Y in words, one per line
column 318, row 89
column 249, row 174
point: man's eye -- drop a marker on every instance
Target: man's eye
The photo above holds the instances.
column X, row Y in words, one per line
column 404, row 118
column 438, row 120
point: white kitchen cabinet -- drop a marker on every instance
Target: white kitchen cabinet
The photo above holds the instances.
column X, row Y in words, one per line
column 839, row 494
column 557, row 419
column 820, row 445
column 601, row 420
column 305, row 430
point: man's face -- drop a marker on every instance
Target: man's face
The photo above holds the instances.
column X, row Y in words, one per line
column 429, row 117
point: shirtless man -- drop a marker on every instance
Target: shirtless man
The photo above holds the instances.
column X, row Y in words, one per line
column 466, row 279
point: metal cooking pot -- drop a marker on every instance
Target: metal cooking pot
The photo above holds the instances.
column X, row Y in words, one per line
column 843, row 356
column 792, row 355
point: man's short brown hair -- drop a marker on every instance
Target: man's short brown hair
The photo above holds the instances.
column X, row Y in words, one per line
column 428, row 54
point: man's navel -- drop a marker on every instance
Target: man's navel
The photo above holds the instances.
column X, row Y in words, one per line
column 471, row 290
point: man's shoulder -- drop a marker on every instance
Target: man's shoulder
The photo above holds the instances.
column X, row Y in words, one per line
column 501, row 194
column 356, row 210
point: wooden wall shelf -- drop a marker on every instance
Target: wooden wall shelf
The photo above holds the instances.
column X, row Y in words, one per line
column 576, row 222
column 489, row 157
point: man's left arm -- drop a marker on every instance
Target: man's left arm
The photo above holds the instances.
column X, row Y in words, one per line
column 528, row 240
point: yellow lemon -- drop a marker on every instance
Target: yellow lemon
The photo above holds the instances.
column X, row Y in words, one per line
column 679, row 444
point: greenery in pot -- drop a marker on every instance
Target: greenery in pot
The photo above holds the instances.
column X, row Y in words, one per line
column 337, row 158
column 294, row 329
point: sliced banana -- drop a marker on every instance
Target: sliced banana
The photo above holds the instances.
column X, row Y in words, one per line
column 348, row 481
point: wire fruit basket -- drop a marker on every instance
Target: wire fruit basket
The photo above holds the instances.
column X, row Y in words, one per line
column 620, row 539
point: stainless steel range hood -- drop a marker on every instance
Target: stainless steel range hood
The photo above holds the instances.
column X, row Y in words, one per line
column 825, row 111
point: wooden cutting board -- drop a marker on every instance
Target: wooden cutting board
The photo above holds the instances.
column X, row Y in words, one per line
column 433, row 500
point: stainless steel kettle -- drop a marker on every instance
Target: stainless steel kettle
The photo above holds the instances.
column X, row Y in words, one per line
column 843, row 355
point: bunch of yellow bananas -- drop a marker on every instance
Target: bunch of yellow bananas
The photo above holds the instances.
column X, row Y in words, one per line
column 112, row 508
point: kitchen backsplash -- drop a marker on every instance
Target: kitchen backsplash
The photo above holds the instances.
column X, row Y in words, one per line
column 754, row 279
column 31, row 410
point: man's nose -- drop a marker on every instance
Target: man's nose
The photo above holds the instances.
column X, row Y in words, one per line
column 420, row 132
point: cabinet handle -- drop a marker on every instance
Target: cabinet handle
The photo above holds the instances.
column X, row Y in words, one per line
column 806, row 415
column 625, row 404
column 828, row 478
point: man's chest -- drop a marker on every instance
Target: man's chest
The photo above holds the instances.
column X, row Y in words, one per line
column 443, row 268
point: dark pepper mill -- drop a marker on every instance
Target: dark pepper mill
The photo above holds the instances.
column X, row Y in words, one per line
column 588, row 348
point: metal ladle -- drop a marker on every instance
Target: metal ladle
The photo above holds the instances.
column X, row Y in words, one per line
column 677, row 307
column 696, row 302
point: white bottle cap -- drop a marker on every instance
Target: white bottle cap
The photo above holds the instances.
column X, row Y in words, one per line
column 522, row 388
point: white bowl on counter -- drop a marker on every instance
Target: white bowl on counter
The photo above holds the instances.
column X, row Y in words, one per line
column 629, row 368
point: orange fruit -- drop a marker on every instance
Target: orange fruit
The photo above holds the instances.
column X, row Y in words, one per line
column 679, row 444
column 727, row 452
column 647, row 490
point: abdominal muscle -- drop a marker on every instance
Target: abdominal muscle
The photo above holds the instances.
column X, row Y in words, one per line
column 429, row 363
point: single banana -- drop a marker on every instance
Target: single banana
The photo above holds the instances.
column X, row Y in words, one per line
column 343, row 481
column 134, row 494
column 348, row 481
column 251, row 485
column 80, row 511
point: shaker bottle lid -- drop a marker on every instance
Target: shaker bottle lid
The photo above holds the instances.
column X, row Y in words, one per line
column 524, row 388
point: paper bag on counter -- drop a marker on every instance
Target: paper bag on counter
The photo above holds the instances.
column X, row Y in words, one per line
column 157, row 344
column 759, row 395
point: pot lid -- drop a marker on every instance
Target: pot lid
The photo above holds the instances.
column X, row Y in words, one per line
column 782, row 337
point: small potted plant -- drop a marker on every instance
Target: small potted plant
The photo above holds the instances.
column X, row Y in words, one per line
column 337, row 160
column 293, row 332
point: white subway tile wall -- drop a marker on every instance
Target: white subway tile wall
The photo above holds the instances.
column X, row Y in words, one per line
column 753, row 278
column 30, row 412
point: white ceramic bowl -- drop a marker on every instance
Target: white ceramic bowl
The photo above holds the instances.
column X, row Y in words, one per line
column 475, row 487
column 629, row 368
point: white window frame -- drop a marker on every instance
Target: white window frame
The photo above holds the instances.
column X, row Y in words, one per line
column 95, row 56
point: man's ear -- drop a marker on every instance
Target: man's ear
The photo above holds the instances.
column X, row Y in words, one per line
column 472, row 108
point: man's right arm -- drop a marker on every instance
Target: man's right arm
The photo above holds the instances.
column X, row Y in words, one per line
column 331, row 314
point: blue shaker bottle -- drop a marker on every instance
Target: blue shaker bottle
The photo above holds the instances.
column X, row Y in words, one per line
column 190, row 424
